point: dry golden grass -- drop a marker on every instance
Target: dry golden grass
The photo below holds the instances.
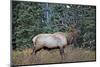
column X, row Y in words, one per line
column 43, row 56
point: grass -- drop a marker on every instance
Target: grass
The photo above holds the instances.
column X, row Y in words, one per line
column 43, row 56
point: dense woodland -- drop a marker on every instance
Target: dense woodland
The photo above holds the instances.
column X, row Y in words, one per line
column 32, row 18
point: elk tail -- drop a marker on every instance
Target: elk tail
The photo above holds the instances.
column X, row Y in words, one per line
column 34, row 43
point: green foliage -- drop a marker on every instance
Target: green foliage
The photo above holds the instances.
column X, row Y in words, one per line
column 32, row 18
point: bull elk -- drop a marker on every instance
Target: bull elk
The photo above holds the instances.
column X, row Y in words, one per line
column 58, row 39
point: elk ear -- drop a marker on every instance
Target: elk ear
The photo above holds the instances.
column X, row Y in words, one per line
column 69, row 28
column 73, row 26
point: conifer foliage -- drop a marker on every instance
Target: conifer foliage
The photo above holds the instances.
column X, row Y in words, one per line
column 32, row 18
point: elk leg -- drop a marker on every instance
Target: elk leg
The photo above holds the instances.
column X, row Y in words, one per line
column 33, row 52
column 33, row 55
column 62, row 52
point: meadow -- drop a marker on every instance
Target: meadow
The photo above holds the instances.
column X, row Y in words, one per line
column 24, row 57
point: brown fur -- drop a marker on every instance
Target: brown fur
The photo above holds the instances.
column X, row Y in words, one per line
column 72, row 36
